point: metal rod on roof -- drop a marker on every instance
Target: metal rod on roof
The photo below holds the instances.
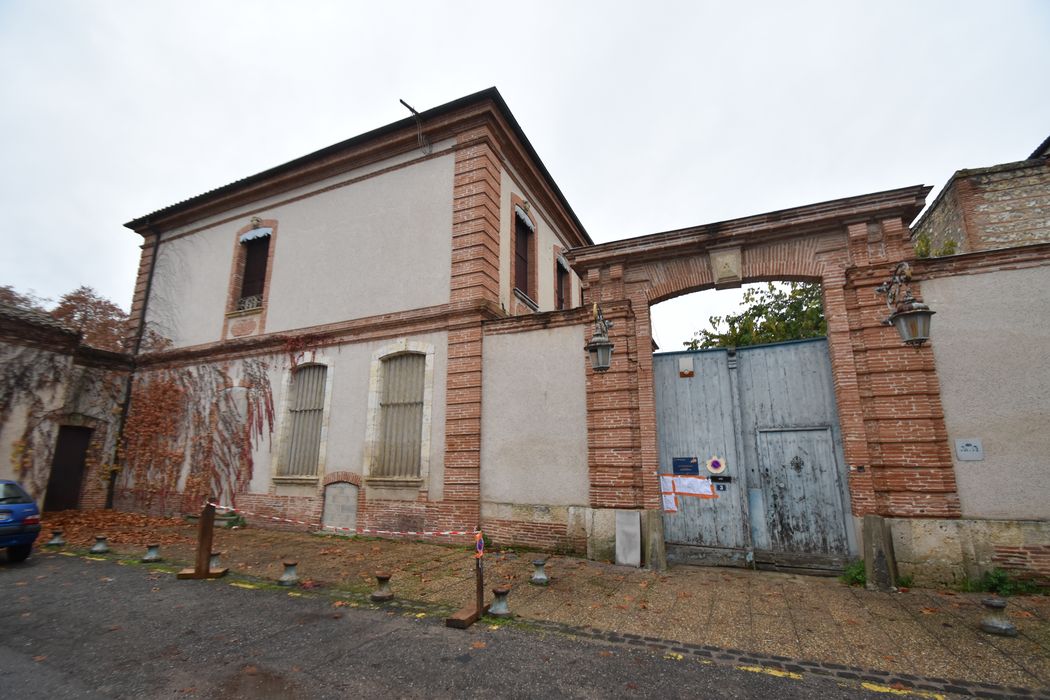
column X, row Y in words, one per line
column 424, row 145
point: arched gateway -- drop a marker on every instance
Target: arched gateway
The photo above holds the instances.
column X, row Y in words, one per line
column 893, row 437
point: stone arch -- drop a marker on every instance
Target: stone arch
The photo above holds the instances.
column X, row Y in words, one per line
column 894, row 438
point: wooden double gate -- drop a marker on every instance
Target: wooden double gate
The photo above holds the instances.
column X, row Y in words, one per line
column 767, row 416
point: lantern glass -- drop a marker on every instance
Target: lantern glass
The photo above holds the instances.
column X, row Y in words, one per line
column 913, row 326
column 600, row 350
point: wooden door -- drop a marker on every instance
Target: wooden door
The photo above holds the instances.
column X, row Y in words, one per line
column 67, row 468
column 769, row 413
column 694, row 419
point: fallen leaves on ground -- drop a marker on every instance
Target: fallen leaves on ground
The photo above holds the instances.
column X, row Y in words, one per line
column 929, row 611
column 79, row 527
column 478, row 645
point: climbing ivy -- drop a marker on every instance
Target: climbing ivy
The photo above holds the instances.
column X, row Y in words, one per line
column 199, row 425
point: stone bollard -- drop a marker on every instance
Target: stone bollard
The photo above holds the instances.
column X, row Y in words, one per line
column 383, row 593
column 100, row 546
column 213, row 562
column 539, row 576
column 499, row 602
column 996, row 622
column 56, row 539
column 290, row 577
column 152, row 554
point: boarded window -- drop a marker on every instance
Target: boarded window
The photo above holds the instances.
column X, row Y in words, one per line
column 305, row 413
column 256, row 255
column 522, row 255
column 401, row 417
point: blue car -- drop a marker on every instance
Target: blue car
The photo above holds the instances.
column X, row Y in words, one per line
column 19, row 520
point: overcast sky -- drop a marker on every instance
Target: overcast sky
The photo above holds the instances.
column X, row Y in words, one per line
column 651, row 116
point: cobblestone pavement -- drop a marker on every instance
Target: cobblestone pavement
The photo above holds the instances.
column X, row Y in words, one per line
column 922, row 639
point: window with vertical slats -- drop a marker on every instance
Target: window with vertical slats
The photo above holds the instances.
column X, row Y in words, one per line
column 401, row 417
column 305, row 413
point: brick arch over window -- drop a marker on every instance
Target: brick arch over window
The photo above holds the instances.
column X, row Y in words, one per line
column 888, row 395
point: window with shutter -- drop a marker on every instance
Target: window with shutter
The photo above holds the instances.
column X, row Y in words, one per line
column 400, row 417
column 256, row 254
column 563, row 287
column 305, row 416
column 522, row 239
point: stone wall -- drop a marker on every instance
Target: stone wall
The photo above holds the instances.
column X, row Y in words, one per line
column 1003, row 206
column 938, row 551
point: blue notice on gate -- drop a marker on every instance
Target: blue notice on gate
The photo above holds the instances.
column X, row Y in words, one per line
column 685, row 466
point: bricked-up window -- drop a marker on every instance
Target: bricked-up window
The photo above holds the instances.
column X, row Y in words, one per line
column 401, row 417
column 523, row 254
column 253, row 279
column 563, row 286
column 305, row 415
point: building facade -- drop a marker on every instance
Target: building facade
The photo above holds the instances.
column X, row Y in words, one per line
column 323, row 325
column 60, row 410
column 388, row 336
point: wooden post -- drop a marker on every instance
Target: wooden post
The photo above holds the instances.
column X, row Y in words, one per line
column 465, row 617
column 205, row 532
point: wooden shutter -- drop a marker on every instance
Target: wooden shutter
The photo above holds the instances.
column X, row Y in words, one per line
column 256, row 254
column 564, row 290
column 306, row 410
column 401, row 416
column 522, row 246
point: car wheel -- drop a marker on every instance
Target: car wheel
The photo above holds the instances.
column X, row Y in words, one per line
column 19, row 552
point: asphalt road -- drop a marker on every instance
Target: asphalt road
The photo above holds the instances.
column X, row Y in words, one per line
column 75, row 628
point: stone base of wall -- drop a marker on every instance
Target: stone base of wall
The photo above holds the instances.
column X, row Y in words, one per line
column 948, row 551
column 560, row 529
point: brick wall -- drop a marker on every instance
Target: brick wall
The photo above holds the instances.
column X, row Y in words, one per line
column 887, row 394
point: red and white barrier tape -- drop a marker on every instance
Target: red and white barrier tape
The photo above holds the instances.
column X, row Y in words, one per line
column 362, row 530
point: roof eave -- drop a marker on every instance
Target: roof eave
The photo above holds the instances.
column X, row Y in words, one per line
column 317, row 164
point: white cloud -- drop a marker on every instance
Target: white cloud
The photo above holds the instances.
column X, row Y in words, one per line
column 650, row 117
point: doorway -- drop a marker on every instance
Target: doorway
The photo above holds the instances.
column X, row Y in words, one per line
column 67, row 468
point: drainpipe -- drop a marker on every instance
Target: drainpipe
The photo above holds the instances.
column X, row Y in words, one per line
column 126, row 405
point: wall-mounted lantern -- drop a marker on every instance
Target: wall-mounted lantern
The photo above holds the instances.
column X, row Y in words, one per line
column 911, row 318
column 600, row 349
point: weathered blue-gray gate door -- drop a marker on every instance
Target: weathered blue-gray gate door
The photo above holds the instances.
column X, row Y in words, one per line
column 767, row 415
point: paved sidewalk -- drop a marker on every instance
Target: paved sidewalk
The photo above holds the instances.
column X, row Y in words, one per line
column 921, row 633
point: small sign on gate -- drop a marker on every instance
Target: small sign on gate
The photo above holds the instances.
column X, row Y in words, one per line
column 685, row 466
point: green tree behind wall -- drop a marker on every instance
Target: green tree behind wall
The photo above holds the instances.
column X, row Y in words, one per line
column 791, row 311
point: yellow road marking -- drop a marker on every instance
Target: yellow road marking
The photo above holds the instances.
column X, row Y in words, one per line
column 901, row 691
column 771, row 672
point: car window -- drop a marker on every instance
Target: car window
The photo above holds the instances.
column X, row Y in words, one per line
column 13, row 493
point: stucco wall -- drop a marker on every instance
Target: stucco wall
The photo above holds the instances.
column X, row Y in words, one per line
column 991, row 342
column 534, row 422
column 546, row 239
column 379, row 245
column 348, row 382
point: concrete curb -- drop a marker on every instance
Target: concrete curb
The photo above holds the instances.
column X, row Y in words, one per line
column 736, row 657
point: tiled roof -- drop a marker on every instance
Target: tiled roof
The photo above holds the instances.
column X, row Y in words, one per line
column 33, row 317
